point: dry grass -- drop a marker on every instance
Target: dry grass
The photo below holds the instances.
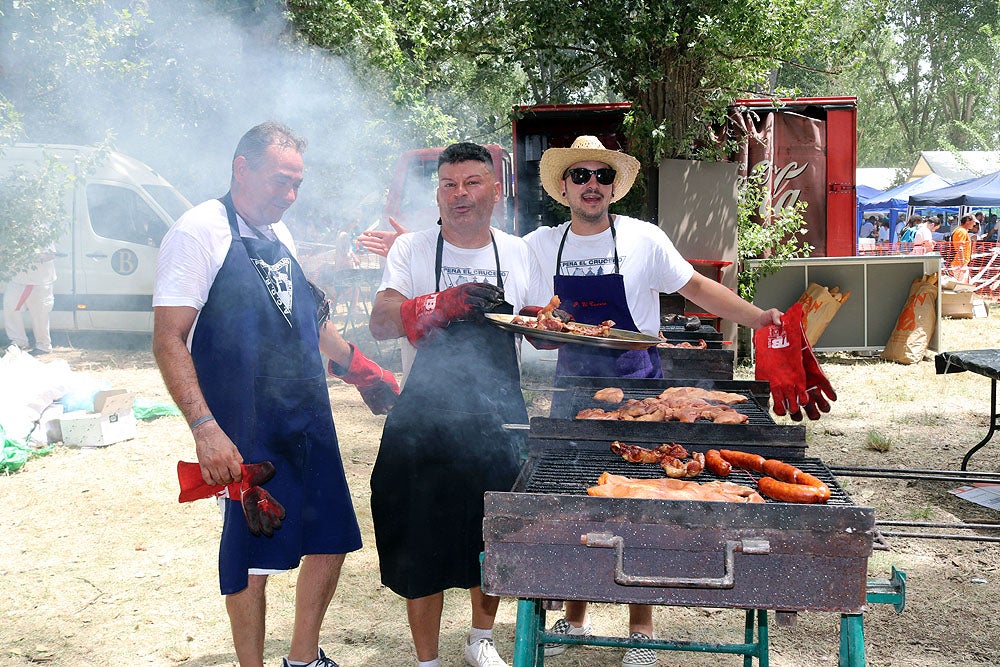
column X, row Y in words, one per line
column 101, row 566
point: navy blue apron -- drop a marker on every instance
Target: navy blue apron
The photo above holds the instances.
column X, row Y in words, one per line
column 442, row 448
column 256, row 352
column 592, row 300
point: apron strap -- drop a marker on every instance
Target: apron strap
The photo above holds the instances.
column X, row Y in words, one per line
column 439, row 253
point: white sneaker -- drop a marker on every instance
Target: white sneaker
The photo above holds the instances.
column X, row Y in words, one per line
column 483, row 654
column 639, row 657
column 564, row 627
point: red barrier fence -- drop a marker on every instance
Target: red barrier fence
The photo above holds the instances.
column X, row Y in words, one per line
column 984, row 268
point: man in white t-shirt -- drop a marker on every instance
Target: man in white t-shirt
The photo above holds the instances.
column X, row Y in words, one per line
column 607, row 266
column 237, row 334
column 444, row 445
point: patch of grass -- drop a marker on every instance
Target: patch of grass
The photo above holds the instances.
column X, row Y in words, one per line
column 877, row 442
column 922, row 513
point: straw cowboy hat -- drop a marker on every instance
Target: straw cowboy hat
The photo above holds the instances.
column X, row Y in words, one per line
column 555, row 162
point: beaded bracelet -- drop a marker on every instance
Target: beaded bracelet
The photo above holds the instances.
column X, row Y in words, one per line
column 202, row 420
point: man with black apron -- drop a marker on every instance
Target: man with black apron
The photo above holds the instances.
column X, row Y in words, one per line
column 612, row 267
column 253, row 388
column 444, row 444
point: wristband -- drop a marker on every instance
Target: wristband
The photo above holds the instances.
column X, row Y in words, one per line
column 202, row 420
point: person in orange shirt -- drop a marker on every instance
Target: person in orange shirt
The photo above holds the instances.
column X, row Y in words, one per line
column 961, row 242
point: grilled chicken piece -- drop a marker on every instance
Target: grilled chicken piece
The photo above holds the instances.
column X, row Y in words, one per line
column 597, row 413
column 710, row 395
column 609, row 395
column 730, row 417
column 618, row 486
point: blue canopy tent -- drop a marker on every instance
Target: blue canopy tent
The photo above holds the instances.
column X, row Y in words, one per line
column 982, row 192
column 863, row 194
column 896, row 200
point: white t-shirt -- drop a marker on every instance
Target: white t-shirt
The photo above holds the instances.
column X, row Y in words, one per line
column 648, row 261
column 923, row 233
column 193, row 251
column 409, row 270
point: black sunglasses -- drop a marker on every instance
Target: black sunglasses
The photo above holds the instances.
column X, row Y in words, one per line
column 581, row 175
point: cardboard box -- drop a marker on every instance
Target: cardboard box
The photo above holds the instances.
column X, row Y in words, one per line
column 112, row 421
column 956, row 304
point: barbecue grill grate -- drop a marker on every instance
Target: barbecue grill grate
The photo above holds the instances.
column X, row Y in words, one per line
column 583, row 397
column 570, row 471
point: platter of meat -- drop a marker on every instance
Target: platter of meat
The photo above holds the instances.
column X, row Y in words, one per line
column 598, row 335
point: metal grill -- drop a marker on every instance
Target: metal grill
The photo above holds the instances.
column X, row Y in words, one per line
column 571, row 471
column 676, row 333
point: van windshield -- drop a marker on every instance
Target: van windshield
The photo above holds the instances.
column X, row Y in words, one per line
column 169, row 199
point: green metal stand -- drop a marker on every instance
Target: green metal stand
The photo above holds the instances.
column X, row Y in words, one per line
column 530, row 639
column 530, row 636
column 852, row 629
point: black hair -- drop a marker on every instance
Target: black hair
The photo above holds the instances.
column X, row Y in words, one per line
column 465, row 152
column 256, row 141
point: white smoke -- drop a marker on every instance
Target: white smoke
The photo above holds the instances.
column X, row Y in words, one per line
column 205, row 79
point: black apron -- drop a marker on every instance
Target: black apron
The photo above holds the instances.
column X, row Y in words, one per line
column 443, row 447
column 592, row 300
column 256, row 352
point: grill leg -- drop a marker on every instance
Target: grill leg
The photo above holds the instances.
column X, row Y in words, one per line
column 528, row 652
column 852, row 641
column 761, row 652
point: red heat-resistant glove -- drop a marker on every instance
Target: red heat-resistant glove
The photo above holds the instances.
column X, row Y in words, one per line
column 377, row 386
column 817, row 385
column 263, row 513
column 539, row 343
column 422, row 315
column 778, row 349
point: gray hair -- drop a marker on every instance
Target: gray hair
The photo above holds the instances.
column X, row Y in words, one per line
column 256, row 141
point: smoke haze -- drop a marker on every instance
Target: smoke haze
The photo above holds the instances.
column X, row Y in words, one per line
column 207, row 78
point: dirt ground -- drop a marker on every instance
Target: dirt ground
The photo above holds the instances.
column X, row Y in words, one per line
column 100, row 565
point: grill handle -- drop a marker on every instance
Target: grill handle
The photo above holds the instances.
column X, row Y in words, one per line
column 727, row 580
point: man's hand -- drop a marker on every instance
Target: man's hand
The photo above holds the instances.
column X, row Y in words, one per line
column 378, row 242
column 219, row 458
column 377, row 386
column 423, row 315
column 778, row 349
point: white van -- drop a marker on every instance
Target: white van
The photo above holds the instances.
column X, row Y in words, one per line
column 106, row 263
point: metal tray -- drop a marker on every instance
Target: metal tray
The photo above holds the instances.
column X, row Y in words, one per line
column 619, row 339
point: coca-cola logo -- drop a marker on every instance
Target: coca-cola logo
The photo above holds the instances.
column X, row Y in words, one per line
column 783, row 195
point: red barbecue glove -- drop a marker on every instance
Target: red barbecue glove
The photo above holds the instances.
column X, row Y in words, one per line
column 263, row 513
column 377, row 386
column 817, row 385
column 540, row 343
column 778, row 349
column 422, row 315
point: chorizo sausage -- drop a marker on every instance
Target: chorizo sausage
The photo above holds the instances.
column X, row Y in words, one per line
column 743, row 460
column 791, row 493
column 805, row 479
column 716, row 464
column 781, row 471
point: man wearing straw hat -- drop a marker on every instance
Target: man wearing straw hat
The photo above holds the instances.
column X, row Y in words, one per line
column 614, row 267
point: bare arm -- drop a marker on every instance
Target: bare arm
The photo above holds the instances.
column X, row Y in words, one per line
column 720, row 300
column 386, row 322
column 333, row 345
column 219, row 458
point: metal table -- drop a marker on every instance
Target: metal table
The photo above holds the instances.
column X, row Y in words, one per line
column 982, row 362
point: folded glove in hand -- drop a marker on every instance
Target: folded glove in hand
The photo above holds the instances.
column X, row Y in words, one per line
column 778, row 351
column 423, row 315
column 377, row 386
column 263, row 513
